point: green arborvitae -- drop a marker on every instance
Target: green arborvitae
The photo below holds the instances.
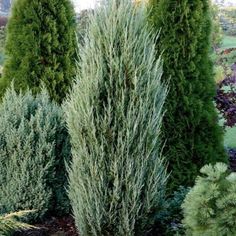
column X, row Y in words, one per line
column 40, row 47
column 117, row 176
column 190, row 129
column 210, row 206
column 33, row 150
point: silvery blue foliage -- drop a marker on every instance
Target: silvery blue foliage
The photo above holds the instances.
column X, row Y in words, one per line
column 117, row 176
column 29, row 160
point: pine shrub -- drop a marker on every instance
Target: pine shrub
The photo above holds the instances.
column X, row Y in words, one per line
column 190, row 128
column 41, row 47
column 10, row 222
column 33, row 148
column 210, row 206
column 117, row 176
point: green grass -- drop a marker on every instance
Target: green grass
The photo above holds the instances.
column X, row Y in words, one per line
column 229, row 42
column 230, row 137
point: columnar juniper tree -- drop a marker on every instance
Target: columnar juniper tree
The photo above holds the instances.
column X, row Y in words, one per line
column 190, row 130
column 41, row 46
column 117, row 177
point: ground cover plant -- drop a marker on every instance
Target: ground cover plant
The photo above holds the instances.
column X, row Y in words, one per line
column 117, row 175
column 40, row 47
column 226, row 101
column 190, row 127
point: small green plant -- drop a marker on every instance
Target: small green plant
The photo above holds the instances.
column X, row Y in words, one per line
column 210, row 206
column 34, row 146
column 219, row 74
column 10, row 222
column 169, row 221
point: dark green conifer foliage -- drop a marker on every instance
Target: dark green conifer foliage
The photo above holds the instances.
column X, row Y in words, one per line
column 41, row 47
column 193, row 137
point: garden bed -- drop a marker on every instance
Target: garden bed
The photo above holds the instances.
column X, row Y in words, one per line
column 52, row 226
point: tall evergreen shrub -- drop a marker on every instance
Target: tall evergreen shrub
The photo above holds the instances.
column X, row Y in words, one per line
column 190, row 129
column 117, row 176
column 33, row 148
column 40, row 47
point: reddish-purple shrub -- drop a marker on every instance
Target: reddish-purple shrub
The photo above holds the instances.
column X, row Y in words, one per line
column 226, row 100
column 3, row 21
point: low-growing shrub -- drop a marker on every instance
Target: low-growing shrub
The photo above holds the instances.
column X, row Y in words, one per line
column 210, row 206
column 117, row 176
column 33, row 147
column 169, row 221
column 219, row 74
column 174, row 214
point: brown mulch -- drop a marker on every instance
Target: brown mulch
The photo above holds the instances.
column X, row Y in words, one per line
column 53, row 226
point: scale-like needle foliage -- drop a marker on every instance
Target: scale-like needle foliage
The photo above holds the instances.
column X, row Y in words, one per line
column 190, row 128
column 40, row 47
column 33, row 149
column 117, row 177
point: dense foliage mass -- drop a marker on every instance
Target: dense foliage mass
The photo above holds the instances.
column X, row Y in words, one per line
column 117, row 177
column 217, row 32
column 83, row 23
column 228, row 20
column 225, row 60
column 210, row 206
column 190, row 126
column 171, row 218
column 41, row 47
column 33, row 148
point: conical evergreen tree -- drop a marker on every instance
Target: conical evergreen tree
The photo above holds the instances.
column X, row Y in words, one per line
column 117, row 176
column 41, row 47
column 190, row 129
